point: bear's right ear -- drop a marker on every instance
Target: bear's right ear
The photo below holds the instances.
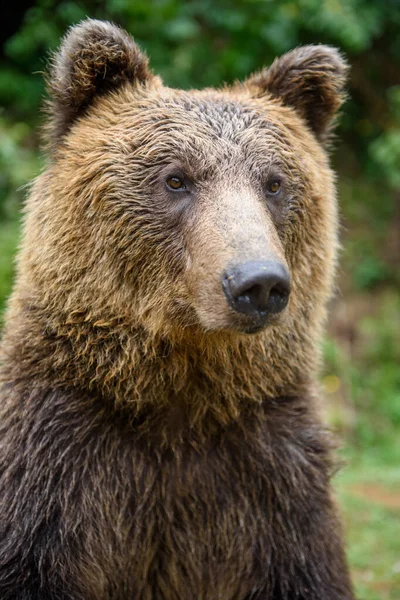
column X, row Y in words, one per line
column 309, row 79
column 95, row 57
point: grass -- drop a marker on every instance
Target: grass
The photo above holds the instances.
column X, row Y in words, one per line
column 370, row 503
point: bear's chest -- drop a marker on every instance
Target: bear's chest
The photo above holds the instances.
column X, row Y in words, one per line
column 206, row 521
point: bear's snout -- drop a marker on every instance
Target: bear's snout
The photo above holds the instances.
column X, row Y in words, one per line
column 257, row 289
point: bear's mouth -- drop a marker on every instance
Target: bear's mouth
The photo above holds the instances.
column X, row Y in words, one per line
column 251, row 329
column 255, row 327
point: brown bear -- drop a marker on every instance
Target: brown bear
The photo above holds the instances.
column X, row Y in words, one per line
column 159, row 421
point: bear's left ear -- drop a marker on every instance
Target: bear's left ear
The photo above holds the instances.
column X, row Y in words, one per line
column 310, row 79
column 95, row 57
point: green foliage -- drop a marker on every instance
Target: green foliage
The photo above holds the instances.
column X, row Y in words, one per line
column 368, row 217
column 19, row 163
column 385, row 150
column 9, row 233
column 370, row 375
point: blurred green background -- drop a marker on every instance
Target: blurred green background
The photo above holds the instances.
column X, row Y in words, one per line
column 197, row 43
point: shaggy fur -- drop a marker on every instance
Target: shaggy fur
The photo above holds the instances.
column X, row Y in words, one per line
column 149, row 448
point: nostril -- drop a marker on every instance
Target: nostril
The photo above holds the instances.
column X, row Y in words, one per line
column 278, row 299
column 277, row 292
column 250, row 294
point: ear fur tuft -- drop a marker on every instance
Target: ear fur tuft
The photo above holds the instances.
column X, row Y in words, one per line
column 95, row 57
column 310, row 79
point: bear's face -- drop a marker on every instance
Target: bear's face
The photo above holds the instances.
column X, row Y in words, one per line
column 206, row 209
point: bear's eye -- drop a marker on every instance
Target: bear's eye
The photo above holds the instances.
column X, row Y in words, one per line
column 274, row 187
column 175, row 183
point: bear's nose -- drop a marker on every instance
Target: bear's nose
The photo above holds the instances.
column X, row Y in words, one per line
column 257, row 288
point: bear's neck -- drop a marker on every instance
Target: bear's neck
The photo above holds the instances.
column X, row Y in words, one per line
column 195, row 372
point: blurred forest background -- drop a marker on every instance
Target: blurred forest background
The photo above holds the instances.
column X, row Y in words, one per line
column 197, row 43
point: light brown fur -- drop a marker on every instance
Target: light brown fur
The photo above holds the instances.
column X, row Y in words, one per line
column 98, row 153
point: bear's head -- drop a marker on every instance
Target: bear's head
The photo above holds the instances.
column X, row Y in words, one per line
column 182, row 212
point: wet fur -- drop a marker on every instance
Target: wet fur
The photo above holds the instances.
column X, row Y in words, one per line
column 149, row 449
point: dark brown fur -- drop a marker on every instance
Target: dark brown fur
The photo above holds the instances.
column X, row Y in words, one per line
column 149, row 448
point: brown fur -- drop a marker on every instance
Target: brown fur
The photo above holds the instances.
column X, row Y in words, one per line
column 149, row 448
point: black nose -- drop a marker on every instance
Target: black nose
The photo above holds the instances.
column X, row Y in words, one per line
column 257, row 288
